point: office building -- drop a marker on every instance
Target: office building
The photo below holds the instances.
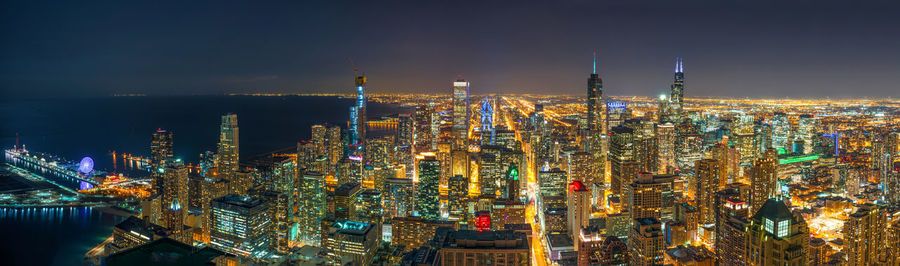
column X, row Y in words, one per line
column 240, row 224
column 311, row 208
column 353, row 243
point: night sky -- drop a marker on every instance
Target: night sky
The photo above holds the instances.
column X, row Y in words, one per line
column 764, row 49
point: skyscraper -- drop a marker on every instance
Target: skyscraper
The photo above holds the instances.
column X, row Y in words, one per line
column 457, row 195
column 665, row 141
column 239, row 225
column 160, row 153
column 460, row 105
column 676, row 99
column 595, row 102
column 511, row 187
column 229, row 147
column 428, row 197
column 781, row 132
column 864, row 236
column 345, row 203
column 621, row 151
column 357, row 128
column 776, row 236
column 352, row 240
column 763, row 179
column 312, row 206
column 334, row 146
column 646, row 242
column 650, row 196
column 174, row 195
column 579, row 205
column 806, row 132
column 704, row 186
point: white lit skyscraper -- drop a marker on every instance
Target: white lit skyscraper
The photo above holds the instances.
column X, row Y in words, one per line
column 461, row 111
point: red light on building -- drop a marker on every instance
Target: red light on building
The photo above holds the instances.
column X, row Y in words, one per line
column 577, row 186
column 482, row 221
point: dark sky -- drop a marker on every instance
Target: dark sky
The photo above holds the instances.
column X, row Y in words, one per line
column 730, row 48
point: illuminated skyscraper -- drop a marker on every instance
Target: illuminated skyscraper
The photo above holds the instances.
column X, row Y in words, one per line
column 646, row 242
column 334, row 146
column 352, row 240
column 579, row 209
column 704, row 185
column 595, row 102
column 763, row 179
column 345, row 203
column 781, row 132
column 356, row 137
column 460, row 111
column 369, row 208
column 776, row 236
column 173, row 195
column 312, row 208
column 160, row 153
column 510, row 190
column 487, row 122
column 489, row 174
column 676, row 99
column 650, row 196
column 318, row 139
column 806, row 131
column 428, row 197
column 457, row 195
column 864, row 236
column 665, row 141
column 239, row 225
column 621, row 150
column 229, row 147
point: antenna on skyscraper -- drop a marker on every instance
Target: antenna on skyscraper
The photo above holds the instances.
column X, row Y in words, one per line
column 595, row 62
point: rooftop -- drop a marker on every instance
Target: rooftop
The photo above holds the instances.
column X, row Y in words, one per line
column 164, row 251
column 238, row 200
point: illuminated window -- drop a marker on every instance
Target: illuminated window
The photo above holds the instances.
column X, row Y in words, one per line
column 784, row 228
column 770, row 226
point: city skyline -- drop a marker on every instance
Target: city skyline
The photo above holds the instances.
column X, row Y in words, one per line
column 760, row 133
column 759, row 50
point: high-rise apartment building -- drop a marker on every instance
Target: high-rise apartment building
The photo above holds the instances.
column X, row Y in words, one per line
column 763, row 179
column 704, row 185
column 312, row 208
column 864, row 236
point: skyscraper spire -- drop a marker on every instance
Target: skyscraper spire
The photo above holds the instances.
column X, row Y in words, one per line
column 595, row 62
